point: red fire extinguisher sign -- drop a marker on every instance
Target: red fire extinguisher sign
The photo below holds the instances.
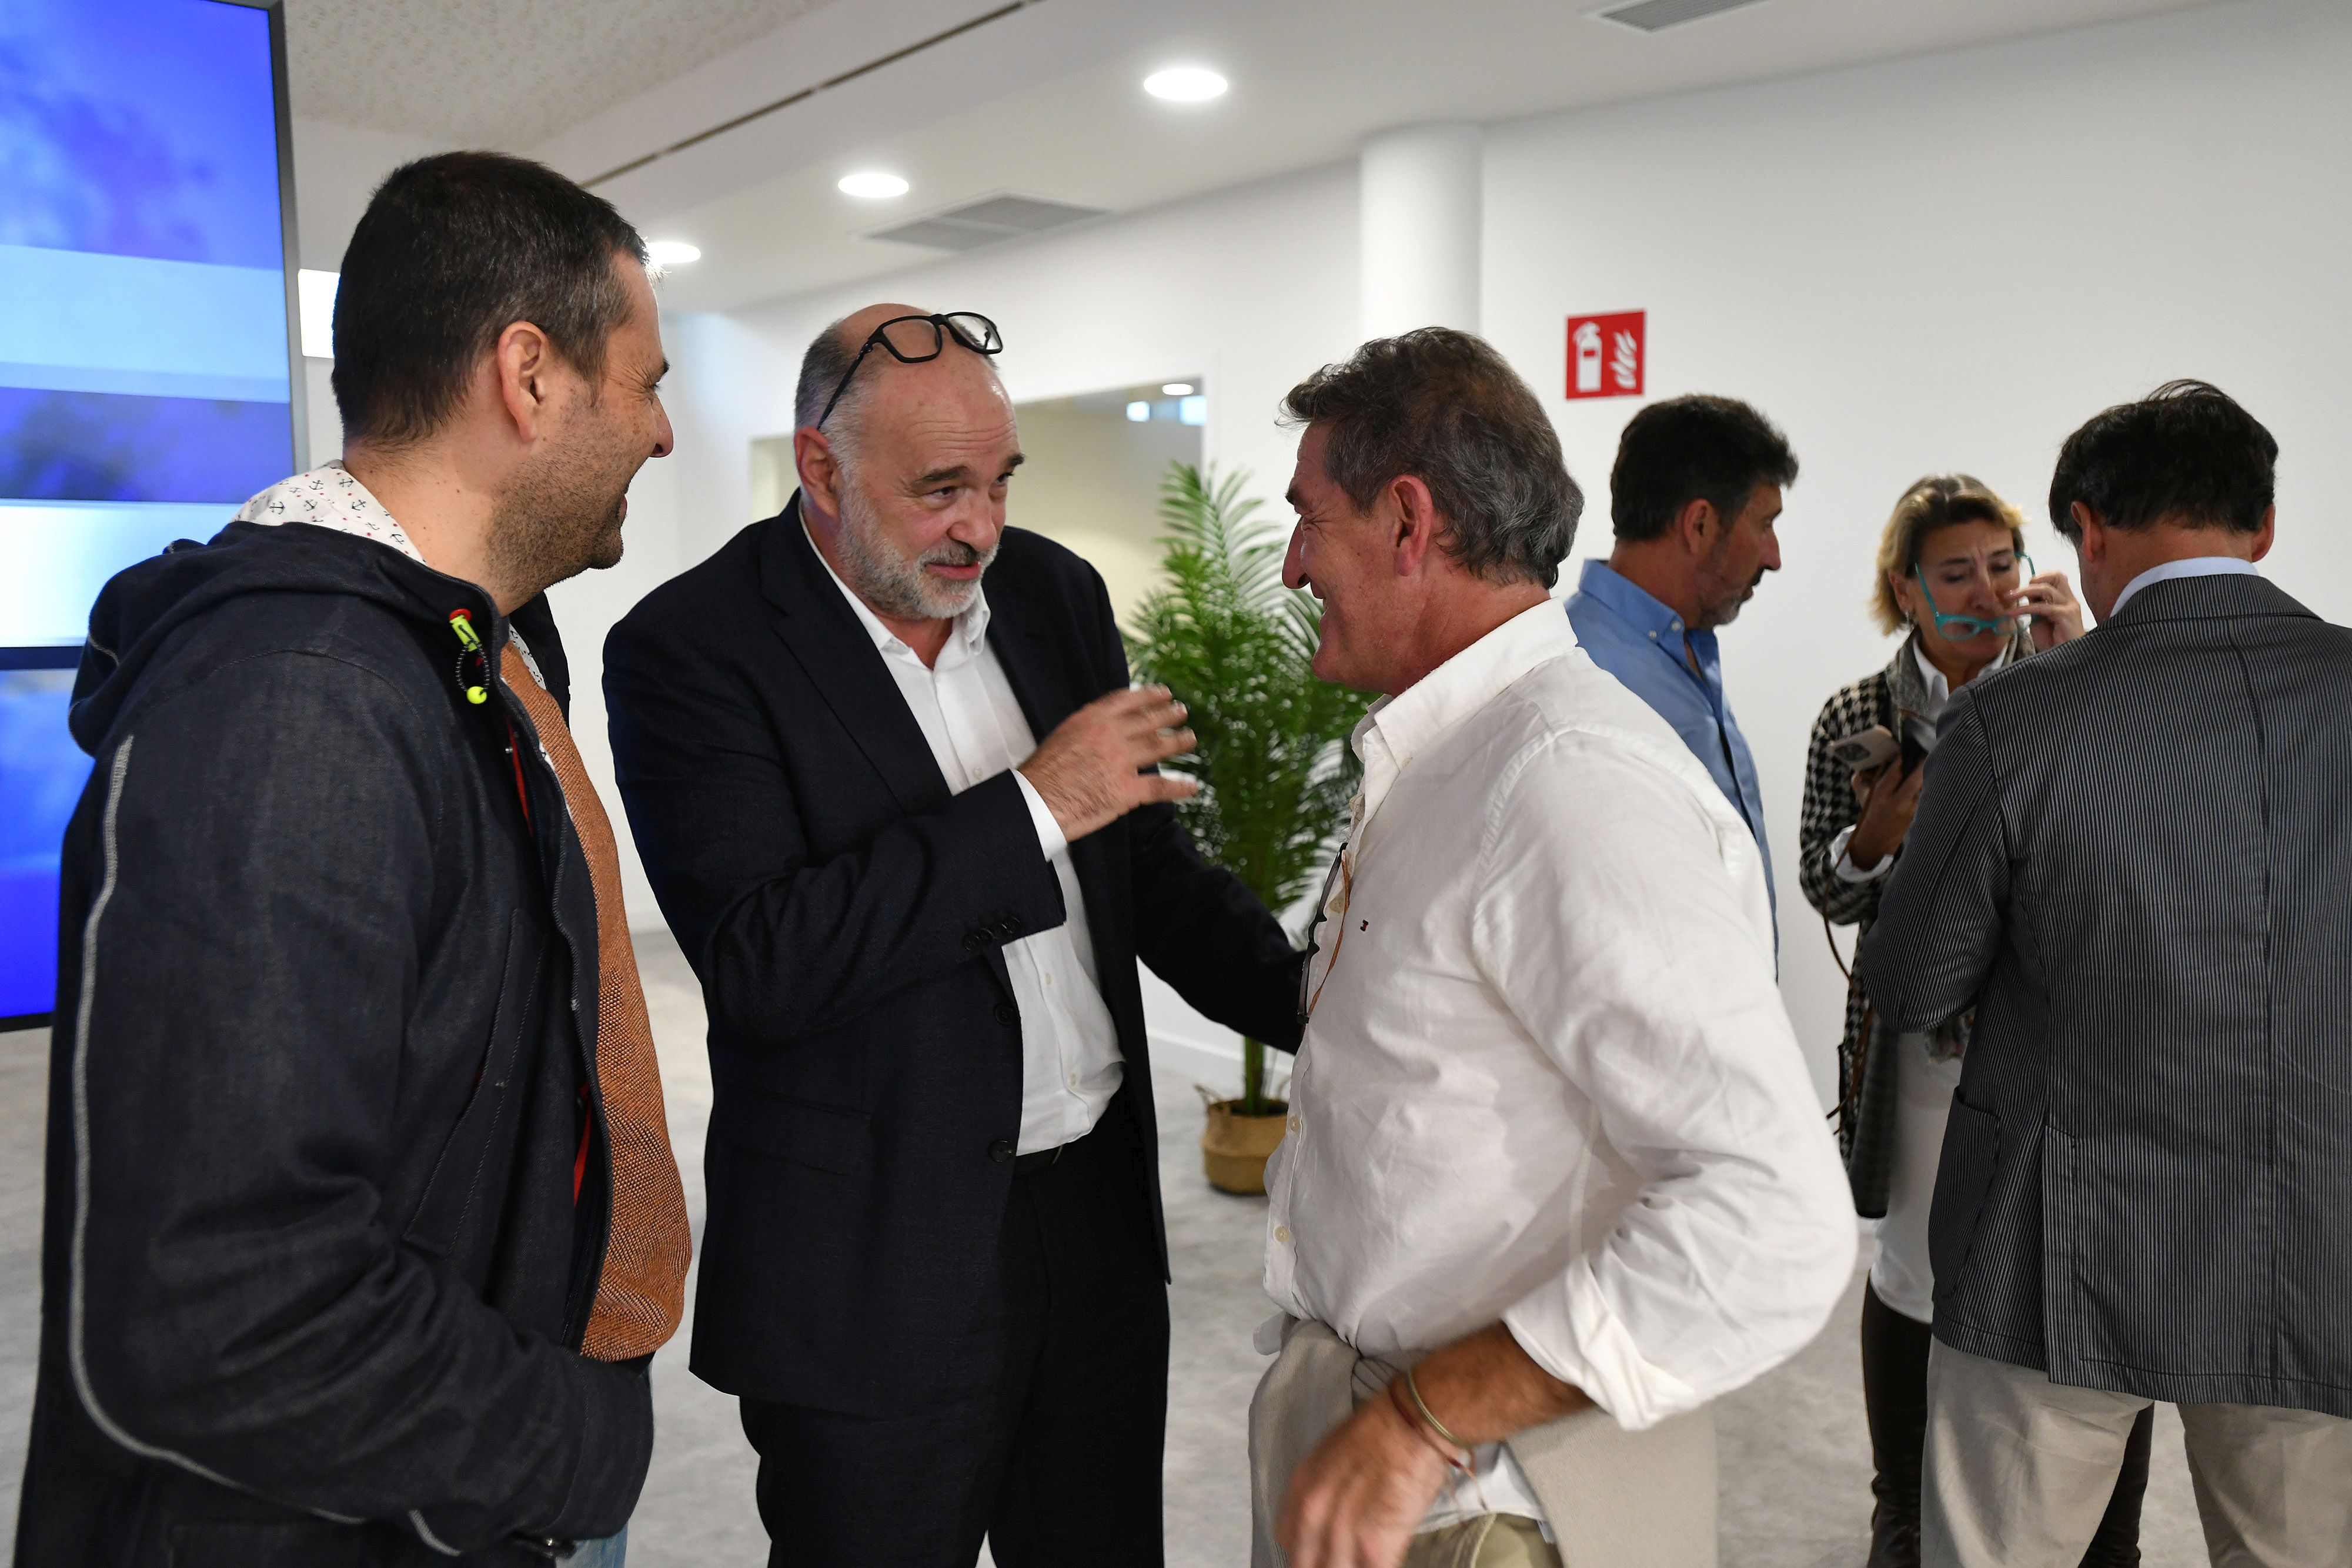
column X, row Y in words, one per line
column 1608, row 356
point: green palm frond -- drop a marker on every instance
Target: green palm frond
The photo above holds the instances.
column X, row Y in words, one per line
column 1235, row 646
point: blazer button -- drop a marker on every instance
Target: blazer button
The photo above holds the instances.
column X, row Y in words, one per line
column 1007, row 1014
column 974, row 942
column 1000, row 1150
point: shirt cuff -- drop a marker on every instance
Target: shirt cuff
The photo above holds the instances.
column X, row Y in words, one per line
column 1050, row 837
column 1842, row 863
column 1567, row 1329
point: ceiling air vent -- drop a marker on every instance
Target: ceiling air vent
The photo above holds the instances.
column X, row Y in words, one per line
column 1657, row 16
column 989, row 221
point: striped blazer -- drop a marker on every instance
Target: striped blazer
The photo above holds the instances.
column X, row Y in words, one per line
column 2135, row 853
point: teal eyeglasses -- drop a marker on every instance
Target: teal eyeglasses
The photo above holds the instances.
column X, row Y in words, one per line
column 1959, row 628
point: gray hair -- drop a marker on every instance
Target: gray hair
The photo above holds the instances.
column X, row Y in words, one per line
column 1444, row 407
column 830, row 355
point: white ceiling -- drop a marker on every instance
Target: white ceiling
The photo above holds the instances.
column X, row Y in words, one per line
column 1046, row 101
column 504, row 73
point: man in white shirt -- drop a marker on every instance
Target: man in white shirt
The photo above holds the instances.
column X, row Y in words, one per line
column 1555, row 1176
column 908, row 830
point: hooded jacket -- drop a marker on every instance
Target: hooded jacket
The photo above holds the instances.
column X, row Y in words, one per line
column 315, row 1271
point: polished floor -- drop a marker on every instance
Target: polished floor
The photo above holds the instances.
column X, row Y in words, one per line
column 1794, row 1455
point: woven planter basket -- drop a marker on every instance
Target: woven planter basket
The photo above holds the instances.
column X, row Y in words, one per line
column 1234, row 1147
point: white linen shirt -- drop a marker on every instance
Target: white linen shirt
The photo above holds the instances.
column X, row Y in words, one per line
column 1070, row 1064
column 1548, row 1078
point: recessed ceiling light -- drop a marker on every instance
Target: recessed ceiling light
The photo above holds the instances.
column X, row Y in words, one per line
column 1178, row 388
column 1186, row 84
column 873, row 186
column 671, row 251
column 1138, row 412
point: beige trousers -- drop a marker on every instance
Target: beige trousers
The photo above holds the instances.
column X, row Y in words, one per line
column 1491, row 1540
column 2018, row 1470
column 1614, row 1498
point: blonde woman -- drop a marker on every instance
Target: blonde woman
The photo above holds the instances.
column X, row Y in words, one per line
column 1953, row 577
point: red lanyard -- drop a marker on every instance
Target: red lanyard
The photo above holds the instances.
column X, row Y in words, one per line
column 514, row 754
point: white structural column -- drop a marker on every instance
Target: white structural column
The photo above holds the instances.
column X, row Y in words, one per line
column 1422, row 197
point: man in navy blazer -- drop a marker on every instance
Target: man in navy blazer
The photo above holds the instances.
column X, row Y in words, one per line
column 910, row 833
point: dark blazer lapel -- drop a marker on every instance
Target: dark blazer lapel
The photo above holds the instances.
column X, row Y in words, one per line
column 1023, row 643
column 831, row 645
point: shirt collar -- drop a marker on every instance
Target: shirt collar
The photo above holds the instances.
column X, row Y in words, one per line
column 2193, row 566
column 1399, row 728
column 964, row 641
column 327, row 497
column 1645, row 613
column 1939, row 690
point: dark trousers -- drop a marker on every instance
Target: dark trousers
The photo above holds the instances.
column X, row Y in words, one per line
column 1894, row 1394
column 1057, row 1462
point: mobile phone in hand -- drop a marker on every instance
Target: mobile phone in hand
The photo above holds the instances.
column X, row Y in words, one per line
column 1866, row 749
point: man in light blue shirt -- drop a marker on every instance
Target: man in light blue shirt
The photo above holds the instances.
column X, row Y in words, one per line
column 1694, row 497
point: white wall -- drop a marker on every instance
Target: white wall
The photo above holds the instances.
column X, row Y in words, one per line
column 1249, row 289
column 1092, row 482
column 1949, row 263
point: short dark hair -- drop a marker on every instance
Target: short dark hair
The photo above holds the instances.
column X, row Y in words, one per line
column 452, row 251
column 1695, row 448
column 1444, row 407
column 2186, row 451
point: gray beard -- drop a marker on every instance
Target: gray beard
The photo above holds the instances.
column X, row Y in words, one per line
column 889, row 582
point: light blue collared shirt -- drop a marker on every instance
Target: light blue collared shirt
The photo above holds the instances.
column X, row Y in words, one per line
column 1639, row 641
column 2192, row 566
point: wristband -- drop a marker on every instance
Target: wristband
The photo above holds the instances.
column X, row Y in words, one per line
column 1427, row 1425
column 1421, row 1404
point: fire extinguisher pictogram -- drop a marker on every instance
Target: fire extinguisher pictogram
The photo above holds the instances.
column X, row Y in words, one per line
column 1608, row 355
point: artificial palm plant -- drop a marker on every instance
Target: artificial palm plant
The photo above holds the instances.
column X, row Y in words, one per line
column 1236, row 647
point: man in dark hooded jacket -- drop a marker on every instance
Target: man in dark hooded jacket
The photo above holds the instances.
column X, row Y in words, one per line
column 361, row 1216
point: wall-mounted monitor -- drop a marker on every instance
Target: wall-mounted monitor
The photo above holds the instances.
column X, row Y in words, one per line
column 148, row 377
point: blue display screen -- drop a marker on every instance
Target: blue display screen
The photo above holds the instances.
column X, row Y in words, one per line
column 41, row 775
column 145, row 390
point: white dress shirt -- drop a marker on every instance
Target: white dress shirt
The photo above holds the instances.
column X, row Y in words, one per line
column 1939, row 697
column 1070, row 1064
column 1549, row 1078
column 2187, row 566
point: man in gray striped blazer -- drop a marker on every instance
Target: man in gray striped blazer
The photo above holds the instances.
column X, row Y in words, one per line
column 2133, row 857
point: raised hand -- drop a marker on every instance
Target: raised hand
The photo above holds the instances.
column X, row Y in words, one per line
column 1890, row 798
column 1090, row 770
column 2057, row 614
